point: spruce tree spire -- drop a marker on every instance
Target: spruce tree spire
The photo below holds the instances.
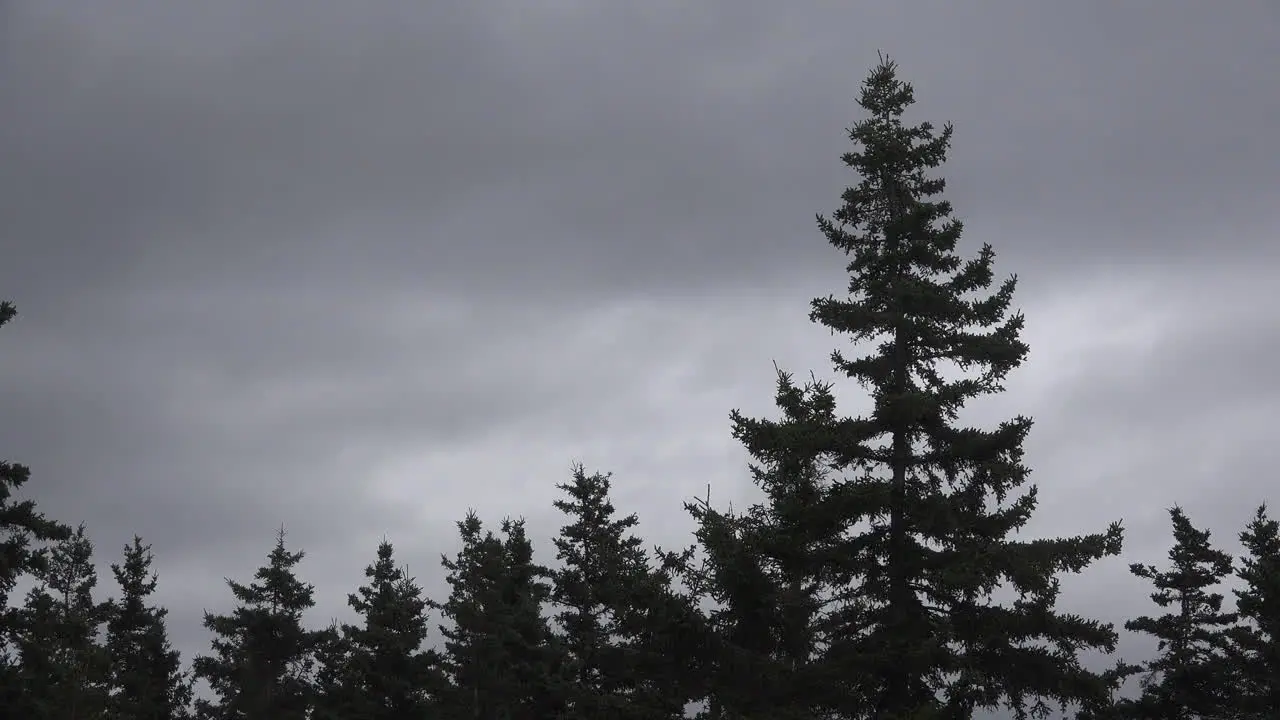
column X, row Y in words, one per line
column 923, row 507
column 1255, row 642
column 64, row 667
column 377, row 669
column 768, row 567
column 262, row 660
column 608, row 595
column 499, row 654
column 1189, row 679
column 146, row 678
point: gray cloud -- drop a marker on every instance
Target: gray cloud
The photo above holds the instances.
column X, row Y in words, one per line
column 355, row 270
column 166, row 139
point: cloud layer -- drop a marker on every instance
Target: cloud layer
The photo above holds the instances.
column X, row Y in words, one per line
column 357, row 270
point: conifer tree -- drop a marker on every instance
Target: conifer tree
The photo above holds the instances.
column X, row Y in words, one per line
column 677, row 632
column 23, row 530
column 499, row 654
column 925, row 506
column 539, row 669
column 385, row 674
column 469, row 649
column 1189, row 678
column 146, row 678
column 606, row 589
column 334, row 686
column 262, row 661
column 62, row 665
column 737, row 656
column 1255, row 643
column 766, row 567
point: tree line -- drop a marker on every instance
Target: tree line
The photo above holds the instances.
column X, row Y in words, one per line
column 862, row 585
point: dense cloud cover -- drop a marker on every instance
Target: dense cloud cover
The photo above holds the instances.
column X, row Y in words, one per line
column 356, row 268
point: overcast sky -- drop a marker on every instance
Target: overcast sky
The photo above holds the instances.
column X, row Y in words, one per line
column 356, row 267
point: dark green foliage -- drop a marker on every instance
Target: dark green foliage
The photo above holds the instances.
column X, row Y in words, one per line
column 20, row 526
column 677, row 636
column 22, row 530
column 62, row 666
column 377, row 670
column 335, row 693
column 606, row 589
column 766, row 569
column 925, row 505
column 262, row 657
column 146, row 678
column 742, row 677
column 1255, row 646
column 1189, row 678
column 500, row 654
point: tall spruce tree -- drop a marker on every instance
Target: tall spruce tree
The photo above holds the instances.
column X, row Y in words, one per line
column 924, row 505
column 1255, row 642
column 23, row 531
column 606, row 589
column 146, row 681
column 262, row 661
column 63, row 667
column 385, row 673
column 1189, row 679
column 499, row 655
